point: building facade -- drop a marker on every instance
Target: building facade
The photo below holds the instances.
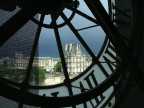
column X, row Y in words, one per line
column 20, row 61
column 76, row 60
column 48, row 63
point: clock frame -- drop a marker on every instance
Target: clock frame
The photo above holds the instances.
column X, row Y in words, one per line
column 87, row 90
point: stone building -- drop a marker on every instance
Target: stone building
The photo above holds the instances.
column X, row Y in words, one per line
column 47, row 62
column 20, row 61
column 76, row 60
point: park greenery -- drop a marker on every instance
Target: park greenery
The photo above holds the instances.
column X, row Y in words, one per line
column 57, row 67
column 18, row 75
column 38, row 75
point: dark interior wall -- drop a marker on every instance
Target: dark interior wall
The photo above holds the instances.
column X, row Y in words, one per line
column 134, row 98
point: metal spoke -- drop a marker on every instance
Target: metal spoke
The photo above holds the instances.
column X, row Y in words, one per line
column 84, row 15
column 94, row 58
column 34, row 47
column 64, row 66
column 17, row 21
column 59, row 44
column 100, row 13
column 56, row 16
column 87, row 27
column 78, row 35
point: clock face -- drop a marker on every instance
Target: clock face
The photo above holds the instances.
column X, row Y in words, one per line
column 83, row 67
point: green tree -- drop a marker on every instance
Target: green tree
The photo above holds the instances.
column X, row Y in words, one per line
column 17, row 75
column 57, row 67
column 41, row 75
column 38, row 75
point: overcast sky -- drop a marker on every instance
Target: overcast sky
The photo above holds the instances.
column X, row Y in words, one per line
column 94, row 37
